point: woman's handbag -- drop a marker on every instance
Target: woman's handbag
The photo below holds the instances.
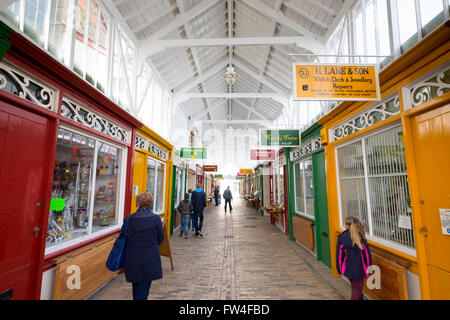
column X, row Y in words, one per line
column 116, row 258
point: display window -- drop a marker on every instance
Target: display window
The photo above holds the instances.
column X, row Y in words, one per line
column 373, row 187
column 85, row 194
column 304, row 189
column 156, row 172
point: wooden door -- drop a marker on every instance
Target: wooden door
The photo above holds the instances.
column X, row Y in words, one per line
column 24, row 140
column 431, row 140
column 139, row 177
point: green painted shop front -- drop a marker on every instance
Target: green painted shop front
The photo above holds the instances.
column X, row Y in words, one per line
column 311, row 152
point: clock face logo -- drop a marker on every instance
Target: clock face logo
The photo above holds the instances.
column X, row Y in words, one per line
column 303, row 73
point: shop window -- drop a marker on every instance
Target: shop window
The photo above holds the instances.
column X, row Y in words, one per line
column 85, row 189
column 373, row 186
column 304, row 191
column 155, row 183
column 107, row 181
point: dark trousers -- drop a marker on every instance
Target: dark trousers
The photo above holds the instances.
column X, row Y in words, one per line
column 141, row 290
column 216, row 198
column 198, row 225
column 229, row 202
column 357, row 289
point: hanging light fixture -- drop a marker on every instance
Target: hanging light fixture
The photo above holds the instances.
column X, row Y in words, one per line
column 230, row 75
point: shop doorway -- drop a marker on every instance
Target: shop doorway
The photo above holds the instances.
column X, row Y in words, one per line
column 321, row 209
column 24, row 163
column 431, row 140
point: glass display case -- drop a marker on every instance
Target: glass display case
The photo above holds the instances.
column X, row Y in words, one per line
column 85, row 188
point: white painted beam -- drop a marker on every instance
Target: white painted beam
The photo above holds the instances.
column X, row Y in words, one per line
column 250, row 109
column 148, row 4
column 238, row 122
column 121, row 21
column 305, row 15
column 209, row 110
column 205, row 76
column 141, row 27
column 183, row 18
column 347, row 5
column 259, row 77
column 313, row 39
column 232, row 95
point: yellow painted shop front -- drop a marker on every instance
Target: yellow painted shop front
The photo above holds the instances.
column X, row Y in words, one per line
column 153, row 171
column 387, row 164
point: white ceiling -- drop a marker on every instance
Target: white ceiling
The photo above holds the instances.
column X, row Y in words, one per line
column 200, row 69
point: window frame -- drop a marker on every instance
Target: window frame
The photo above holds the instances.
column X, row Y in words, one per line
column 120, row 199
column 369, row 233
column 303, row 214
column 151, row 157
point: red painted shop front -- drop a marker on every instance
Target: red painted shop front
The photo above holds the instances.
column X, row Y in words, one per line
column 43, row 128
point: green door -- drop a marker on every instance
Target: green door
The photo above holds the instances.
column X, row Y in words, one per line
column 321, row 209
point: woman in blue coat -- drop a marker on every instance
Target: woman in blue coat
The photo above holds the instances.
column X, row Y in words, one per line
column 143, row 236
column 353, row 256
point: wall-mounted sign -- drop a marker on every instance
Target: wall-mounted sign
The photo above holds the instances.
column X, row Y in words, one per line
column 245, row 171
column 336, row 82
column 262, row 154
column 289, row 138
column 210, row 168
column 193, row 153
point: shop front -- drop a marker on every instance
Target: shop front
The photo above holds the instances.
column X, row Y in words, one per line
column 66, row 176
column 278, row 206
column 178, row 191
column 384, row 161
column 152, row 171
column 308, row 213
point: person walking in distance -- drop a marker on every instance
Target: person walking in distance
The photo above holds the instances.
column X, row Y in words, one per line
column 216, row 195
column 185, row 208
column 228, row 196
column 353, row 257
column 143, row 236
column 198, row 199
column 192, row 212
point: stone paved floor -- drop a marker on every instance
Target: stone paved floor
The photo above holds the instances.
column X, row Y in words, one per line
column 241, row 256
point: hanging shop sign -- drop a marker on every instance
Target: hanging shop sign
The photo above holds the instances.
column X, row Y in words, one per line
column 289, row 138
column 245, row 171
column 336, row 82
column 210, row 168
column 240, row 177
column 193, row 153
column 218, row 177
column 262, row 154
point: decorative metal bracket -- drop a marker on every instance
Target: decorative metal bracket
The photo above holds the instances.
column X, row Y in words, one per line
column 81, row 114
column 22, row 85
column 375, row 113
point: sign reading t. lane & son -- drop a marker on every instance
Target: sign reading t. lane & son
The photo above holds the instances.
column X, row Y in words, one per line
column 289, row 138
column 336, row 82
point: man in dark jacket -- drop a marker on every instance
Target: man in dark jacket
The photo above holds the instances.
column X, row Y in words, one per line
column 143, row 236
column 228, row 196
column 198, row 200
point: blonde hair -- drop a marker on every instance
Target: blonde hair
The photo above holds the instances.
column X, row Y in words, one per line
column 356, row 230
column 144, row 200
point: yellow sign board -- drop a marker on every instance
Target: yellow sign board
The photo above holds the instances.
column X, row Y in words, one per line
column 245, row 171
column 336, row 82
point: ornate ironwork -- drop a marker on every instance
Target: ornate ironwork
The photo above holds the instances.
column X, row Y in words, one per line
column 435, row 86
column 157, row 151
column 83, row 115
column 316, row 143
column 21, row 85
column 141, row 142
column 372, row 115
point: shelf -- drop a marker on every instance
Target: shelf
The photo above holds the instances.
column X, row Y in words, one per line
column 104, row 202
